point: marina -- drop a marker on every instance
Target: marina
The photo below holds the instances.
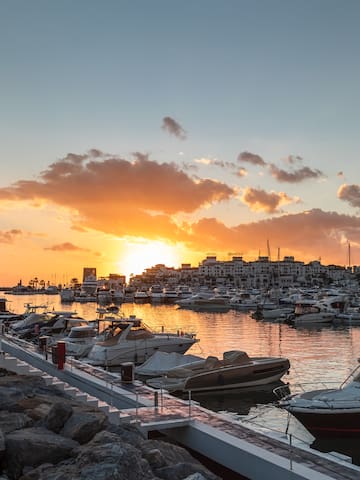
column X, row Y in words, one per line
column 319, row 355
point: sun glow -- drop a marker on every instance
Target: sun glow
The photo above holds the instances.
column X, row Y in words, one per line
column 138, row 256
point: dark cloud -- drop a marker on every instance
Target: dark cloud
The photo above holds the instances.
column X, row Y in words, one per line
column 295, row 176
column 293, row 159
column 173, row 127
column 251, row 158
column 350, row 194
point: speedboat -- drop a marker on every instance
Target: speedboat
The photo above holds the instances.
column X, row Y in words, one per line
column 235, row 370
column 129, row 339
column 311, row 311
column 203, row 302
column 328, row 413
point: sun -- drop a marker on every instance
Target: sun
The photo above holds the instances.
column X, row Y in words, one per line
column 138, row 256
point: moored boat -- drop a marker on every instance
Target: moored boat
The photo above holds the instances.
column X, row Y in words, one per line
column 129, row 339
column 235, row 370
column 328, row 413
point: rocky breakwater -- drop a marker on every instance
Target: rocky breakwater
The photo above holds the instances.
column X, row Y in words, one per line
column 46, row 435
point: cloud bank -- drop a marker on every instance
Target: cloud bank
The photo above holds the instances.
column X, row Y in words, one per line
column 142, row 198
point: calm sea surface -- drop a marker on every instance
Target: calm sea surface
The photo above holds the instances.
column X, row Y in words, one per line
column 317, row 354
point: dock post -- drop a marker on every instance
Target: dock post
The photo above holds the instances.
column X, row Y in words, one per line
column 189, row 403
column 156, row 400
column 291, row 451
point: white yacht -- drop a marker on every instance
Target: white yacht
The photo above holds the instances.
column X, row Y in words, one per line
column 156, row 293
column 67, row 295
column 314, row 311
column 170, row 294
column 130, row 340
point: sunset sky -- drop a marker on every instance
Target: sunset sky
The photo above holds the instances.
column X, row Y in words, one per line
column 136, row 132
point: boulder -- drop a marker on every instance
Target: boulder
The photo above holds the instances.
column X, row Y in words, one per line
column 180, row 471
column 10, row 421
column 33, row 447
column 57, row 416
column 2, row 444
column 82, row 426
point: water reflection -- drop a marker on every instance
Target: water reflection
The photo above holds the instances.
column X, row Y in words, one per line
column 240, row 401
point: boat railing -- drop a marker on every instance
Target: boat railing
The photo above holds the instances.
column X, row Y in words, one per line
column 291, row 389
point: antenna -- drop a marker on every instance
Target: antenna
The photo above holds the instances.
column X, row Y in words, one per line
column 349, row 254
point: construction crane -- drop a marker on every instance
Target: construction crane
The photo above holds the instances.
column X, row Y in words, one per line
column 268, row 249
column 235, row 254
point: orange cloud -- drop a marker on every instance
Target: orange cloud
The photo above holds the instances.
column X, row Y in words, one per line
column 260, row 200
column 9, row 236
column 307, row 236
column 173, row 127
column 120, row 197
column 350, row 194
column 66, row 247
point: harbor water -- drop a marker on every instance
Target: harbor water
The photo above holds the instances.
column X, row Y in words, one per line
column 319, row 355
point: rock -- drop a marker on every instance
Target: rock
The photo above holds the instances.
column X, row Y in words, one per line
column 2, row 444
column 171, row 452
column 33, row 447
column 82, row 426
column 195, row 476
column 155, row 458
column 128, row 433
column 50, row 436
column 10, row 421
column 58, row 415
column 106, row 457
column 108, row 453
column 180, row 471
column 178, row 462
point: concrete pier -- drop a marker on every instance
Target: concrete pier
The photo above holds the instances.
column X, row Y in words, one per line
column 233, row 445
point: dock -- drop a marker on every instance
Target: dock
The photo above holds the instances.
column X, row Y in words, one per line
column 235, row 446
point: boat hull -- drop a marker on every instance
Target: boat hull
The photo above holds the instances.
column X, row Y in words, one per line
column 330, row 423
column 235, row 377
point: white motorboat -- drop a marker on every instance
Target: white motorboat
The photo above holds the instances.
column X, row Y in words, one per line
column 141, row 296
column 201, row 302
column 131, row 340
column 162, row 362
column 170, row 294
column 309, row 311
column 280, row 313
column 67, row 295
column 156, row 293
column 80, row 340
column 328, row 413
column 235, row 370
